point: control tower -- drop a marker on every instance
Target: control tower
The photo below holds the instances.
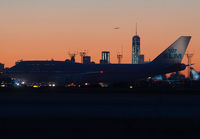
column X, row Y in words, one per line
column 135, row 48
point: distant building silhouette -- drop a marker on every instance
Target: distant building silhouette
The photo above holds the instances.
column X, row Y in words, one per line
column 103, row 62
column 105, row 57
column 83, row 54
column 86, row 59
column 141, row 59
column 135, row 48
column 72, row 57
column 1, row 67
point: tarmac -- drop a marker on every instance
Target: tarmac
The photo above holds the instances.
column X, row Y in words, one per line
column 100, row 113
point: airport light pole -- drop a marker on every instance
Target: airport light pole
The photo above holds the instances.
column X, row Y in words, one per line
column 189, row 58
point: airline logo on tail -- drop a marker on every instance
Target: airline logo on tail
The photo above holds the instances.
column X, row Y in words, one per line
column 172, row 54
column 175, row 52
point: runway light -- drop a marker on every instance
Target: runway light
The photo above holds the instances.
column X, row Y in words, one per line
column 130, row 86
column 3, row 85
column 101, row 71
column 86, row 84
column 17, row 84
column 71, row 85
column 35, row 86
column 51, row 84
column 102, row 85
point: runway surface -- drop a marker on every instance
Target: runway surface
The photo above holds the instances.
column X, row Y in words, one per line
column 99, row 113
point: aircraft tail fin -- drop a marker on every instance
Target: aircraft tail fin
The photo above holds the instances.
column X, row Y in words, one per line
column 175, row 52
column 195, row 75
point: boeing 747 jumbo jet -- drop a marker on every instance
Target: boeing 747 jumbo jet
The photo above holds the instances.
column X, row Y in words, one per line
column 168, row 61
column 68, row 72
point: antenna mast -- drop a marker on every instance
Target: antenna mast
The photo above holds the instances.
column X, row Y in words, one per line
column 120, row 56
column 136, row 30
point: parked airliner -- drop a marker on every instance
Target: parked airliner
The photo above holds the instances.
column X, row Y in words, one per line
column 68, row 72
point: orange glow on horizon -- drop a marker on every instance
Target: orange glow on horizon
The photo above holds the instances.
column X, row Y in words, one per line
column 36, row 30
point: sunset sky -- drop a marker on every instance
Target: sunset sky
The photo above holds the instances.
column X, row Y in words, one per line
column 49, row 29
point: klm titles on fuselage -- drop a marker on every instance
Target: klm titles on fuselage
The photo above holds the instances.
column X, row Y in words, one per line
column 172, row 54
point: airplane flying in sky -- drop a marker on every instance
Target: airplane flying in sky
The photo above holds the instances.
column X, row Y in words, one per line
column 117, row 28
column 68, row 72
